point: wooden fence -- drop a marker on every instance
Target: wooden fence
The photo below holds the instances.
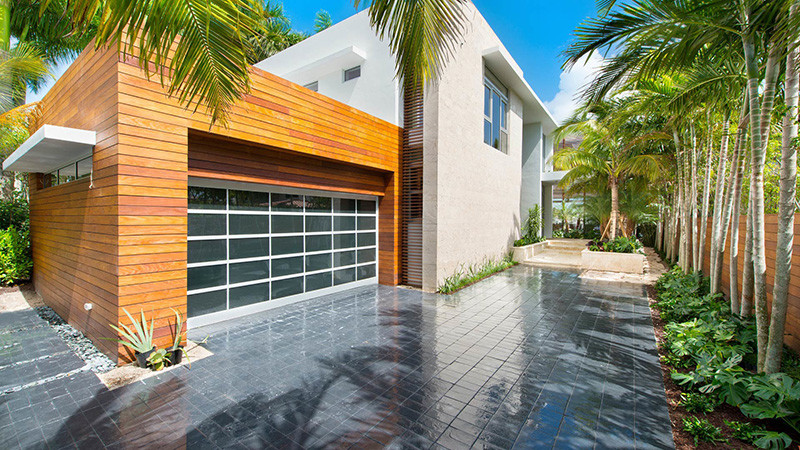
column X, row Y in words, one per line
column 792, row 336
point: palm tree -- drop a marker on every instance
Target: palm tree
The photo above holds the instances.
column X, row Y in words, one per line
column 322, row 21
column 602, row 153
column 787, row 208
column 273, row 33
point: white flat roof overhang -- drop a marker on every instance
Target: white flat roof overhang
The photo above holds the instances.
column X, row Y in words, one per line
column 343, row 59
column 503, row 66
column 553, row 177
column 51, row 147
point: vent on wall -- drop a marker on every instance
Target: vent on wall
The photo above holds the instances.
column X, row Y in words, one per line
column 411, row 191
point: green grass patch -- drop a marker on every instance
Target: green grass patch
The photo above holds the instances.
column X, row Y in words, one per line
column 467, row 275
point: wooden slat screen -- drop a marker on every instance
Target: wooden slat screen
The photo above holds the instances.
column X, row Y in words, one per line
column 411, row 169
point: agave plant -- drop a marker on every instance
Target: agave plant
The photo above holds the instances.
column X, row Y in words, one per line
column 140, row 338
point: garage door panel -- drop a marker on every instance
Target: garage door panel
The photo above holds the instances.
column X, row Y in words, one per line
column 249, row 248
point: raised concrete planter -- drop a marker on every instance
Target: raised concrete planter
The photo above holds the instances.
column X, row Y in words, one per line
column 613, row 262
column 526, row 252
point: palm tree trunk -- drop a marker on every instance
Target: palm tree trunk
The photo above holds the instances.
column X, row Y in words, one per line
column 701, row 246
column 759, row 125
column 786, row 209
column 736, row 213
column 614, row 185
column 693, row 204
column 719, row 206
column 732, row 208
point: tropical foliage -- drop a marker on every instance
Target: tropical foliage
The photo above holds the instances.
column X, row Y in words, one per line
column 712, row 353
column 471, row 274
column 696, row 104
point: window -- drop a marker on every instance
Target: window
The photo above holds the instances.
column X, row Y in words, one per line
column 352, row 74
column 314, row 86
column 70, row 172
column 495, row 113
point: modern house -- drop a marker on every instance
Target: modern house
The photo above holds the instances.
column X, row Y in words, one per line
column 328, row 175
column 483, row 139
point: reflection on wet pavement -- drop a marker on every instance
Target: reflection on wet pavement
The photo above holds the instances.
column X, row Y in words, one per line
column 529, row 358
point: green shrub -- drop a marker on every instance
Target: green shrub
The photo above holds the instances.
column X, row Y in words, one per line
column 702, row 430
column 474, row 273
column 15, row 256
column 744, row 431
column 14, row 213
column 698, row 403
column 620, row 244
column 531, row 228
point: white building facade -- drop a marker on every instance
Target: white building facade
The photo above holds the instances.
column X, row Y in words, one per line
column 486, row 136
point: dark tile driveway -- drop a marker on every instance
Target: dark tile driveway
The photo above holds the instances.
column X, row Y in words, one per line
column 529, row 358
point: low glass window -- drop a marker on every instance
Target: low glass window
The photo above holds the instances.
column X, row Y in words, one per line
column 287, row 266
column 287, row 202
column 249, row 248
column 249, row 201
column 203, row 251
column 248, row 295
column 248, row 271
column 285, row 288
column 205, row 277
column 287, row 224
column 318, row 224
column 207, row 225
column 241, row 224
column 206, row 198
column 318, row 204
column 318, row 281
column 318, row 262
column 352, row 74
column 287, row 245
column 344, row 276
column 344, row 223
column 206, row 303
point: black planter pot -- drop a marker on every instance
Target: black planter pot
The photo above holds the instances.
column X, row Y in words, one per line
column 176, row 357
column 141, row 358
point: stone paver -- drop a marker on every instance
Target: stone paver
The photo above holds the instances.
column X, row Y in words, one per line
column 529, row 358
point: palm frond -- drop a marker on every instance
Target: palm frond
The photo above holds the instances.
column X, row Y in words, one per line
column 423, row 34
column 200, row 42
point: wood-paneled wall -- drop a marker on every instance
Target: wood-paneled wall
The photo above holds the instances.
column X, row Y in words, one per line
column 130, row 226
column 74, row 227
column 792, row 336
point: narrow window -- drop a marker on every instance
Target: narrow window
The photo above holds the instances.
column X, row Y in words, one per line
column 495, row 113
column 352, row 74
column 314, row 86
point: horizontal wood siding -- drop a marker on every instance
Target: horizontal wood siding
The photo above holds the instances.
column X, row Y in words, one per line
column 74, row 226
column 122, row 242
column 792, row 336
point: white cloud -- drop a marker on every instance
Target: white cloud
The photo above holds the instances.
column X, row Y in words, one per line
column 570, row 86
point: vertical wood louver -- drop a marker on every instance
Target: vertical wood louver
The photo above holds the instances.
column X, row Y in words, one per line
column 411, row 169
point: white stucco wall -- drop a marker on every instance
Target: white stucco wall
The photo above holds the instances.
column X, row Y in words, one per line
column 323, row 57
column 472, row 191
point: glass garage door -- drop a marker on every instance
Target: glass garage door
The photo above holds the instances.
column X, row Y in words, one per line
column 248, row 248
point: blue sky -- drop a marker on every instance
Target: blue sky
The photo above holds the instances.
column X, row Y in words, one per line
column 535, row 32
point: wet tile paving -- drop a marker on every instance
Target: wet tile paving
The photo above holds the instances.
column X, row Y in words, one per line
column 527, row 359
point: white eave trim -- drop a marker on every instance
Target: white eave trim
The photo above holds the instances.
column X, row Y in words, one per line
column 500, row 62
column 553, row 177
column 51, row 147
column 343, row 59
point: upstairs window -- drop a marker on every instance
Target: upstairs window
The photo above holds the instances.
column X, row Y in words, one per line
column 352, row 74
column 314, row 86
column 495, row 113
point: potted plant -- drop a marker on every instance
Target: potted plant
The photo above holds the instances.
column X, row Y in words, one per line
column 159, row 359
column 140, row 339
column 177, row 350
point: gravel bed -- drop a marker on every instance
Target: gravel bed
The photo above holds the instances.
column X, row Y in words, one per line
column 97, row 361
